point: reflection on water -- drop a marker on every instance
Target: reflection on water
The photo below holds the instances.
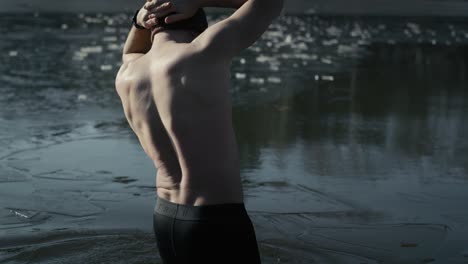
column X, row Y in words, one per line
column 351, row 135
column 391, row 103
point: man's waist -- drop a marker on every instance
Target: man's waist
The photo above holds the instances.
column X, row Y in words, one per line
column 200, row 212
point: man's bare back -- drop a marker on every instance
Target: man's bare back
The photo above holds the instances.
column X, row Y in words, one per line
column 176, row 99
column 175, row 94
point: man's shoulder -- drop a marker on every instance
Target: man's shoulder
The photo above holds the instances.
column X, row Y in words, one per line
column 128, row 70
column 181, row 56
column 128, row 58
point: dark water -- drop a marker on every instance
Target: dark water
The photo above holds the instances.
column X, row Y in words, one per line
column 351, row 133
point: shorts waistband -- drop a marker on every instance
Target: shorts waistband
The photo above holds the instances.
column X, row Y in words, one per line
column 190, row 212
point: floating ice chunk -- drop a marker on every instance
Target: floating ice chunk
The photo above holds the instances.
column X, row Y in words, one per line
column 113, row 46
column 313, row 57
column 262, row 59
column 109, row 39
column 92, row 49
column 305, row 56
column 92, row 20
column 274, row 67
column 414, row 28
column 274, row 34
column 363, row 42
column 302, row 56
column 263, row 90
column 24, row 214
column 20, row 214
column 110, row 29
column 241, row 76
column 81, row 15
column 317, row 77
column 242, row 61
column 79, row 56
column 343, row 49
column 13, row 53
column 328, row 78
column 330, row 42
column 257, row 80
column 382, row 27
column 333, row 31
column 288, row 39
column 302, row 46
column 64, row 26
column 256, row 49
column 326, row 60
column 273, row 79
column 356, row 32
column 359, row 32
column 82, row 97
column 106, row 67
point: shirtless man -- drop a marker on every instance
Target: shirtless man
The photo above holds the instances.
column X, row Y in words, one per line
column 174, row 85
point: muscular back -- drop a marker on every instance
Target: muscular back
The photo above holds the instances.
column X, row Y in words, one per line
column 176, row 99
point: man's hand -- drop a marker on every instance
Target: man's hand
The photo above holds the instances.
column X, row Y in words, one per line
column 148, row 17
column 182, row 9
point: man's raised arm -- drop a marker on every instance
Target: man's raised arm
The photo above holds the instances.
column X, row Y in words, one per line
column 228, row 37
column 138, row 43
column 139, row 39
column 184, row 9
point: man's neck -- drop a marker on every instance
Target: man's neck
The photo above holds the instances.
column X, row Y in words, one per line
column 173, row 36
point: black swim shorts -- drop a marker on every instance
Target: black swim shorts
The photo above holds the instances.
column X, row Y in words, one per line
column 204, row 234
